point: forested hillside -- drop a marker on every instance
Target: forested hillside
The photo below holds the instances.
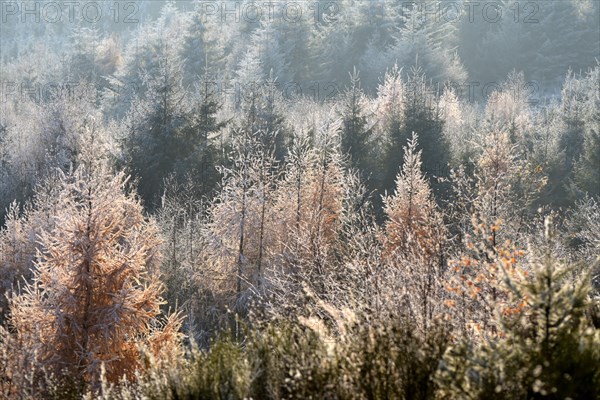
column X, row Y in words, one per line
column 289, row 200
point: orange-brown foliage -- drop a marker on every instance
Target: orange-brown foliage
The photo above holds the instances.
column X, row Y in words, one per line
column 95, row 291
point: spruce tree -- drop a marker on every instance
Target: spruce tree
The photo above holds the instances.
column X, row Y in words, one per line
column 356, row 134
column 587, row 168
column 420, row 114
column 545, row 345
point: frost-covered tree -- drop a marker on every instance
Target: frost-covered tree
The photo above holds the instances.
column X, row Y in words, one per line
column 268, row 40
column 565, row 38
column 240, row 233
column 576, row 109
column 153, row 147
column 182, row 219
column 587, row 167
column 310, row 201
column 356, row 134
column 583, row 225
column 411, row 210
column 19, row 238
column 420, row 114
column 263, row 114
column 509, row 107
column 199, row 141
column 333, row 46
column 95, row 293
column 544, row 341
column 428, row 40
column 193, row 48
column 154, row 47
column 42, row 135
column 413, row 240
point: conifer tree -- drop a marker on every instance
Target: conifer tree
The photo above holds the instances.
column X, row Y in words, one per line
column 427, row 41
column 587, row 168
column 545, row 344
column 356, row 135
column 410, row 209
column 193, row 49
column 198, row 139
column 414, row 234
column 19, row 235
column 95, row 293
column 311, row 207
column 241, row 229
column 420, row 114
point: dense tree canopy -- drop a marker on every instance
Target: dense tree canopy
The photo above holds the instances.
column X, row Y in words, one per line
column 333, row 199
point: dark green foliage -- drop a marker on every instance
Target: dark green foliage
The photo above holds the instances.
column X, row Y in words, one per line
column 421, row 115
column 587, row 169
column 356, row 135
column 174, row 139
column 291, row 360
column 546, row 348
column 396, row 361
column 261, row 116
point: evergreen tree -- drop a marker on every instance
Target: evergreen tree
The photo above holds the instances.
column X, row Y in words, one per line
column 356, row 134
column 83, row 65
column 420, row 114
column 268, row 41
column 199, row 143
column 545, row 346
column 170, row 131
column 153, row 151
column 263, row 115
column 573, row 107
column 333, row 47
column 587, row 167
column 193, row 49
column 568, row 38
column 428, row 42
column 154, row 47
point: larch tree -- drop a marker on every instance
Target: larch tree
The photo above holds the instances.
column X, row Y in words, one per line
column 495, row 203
column 19, row 239
column 310, row 199
column 240, row 232
column 309, row 204
column 95, row 294
column 544, row 339
column 507, row 185
column 413, row 238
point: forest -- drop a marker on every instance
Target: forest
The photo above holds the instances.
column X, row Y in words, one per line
column 328, row 199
